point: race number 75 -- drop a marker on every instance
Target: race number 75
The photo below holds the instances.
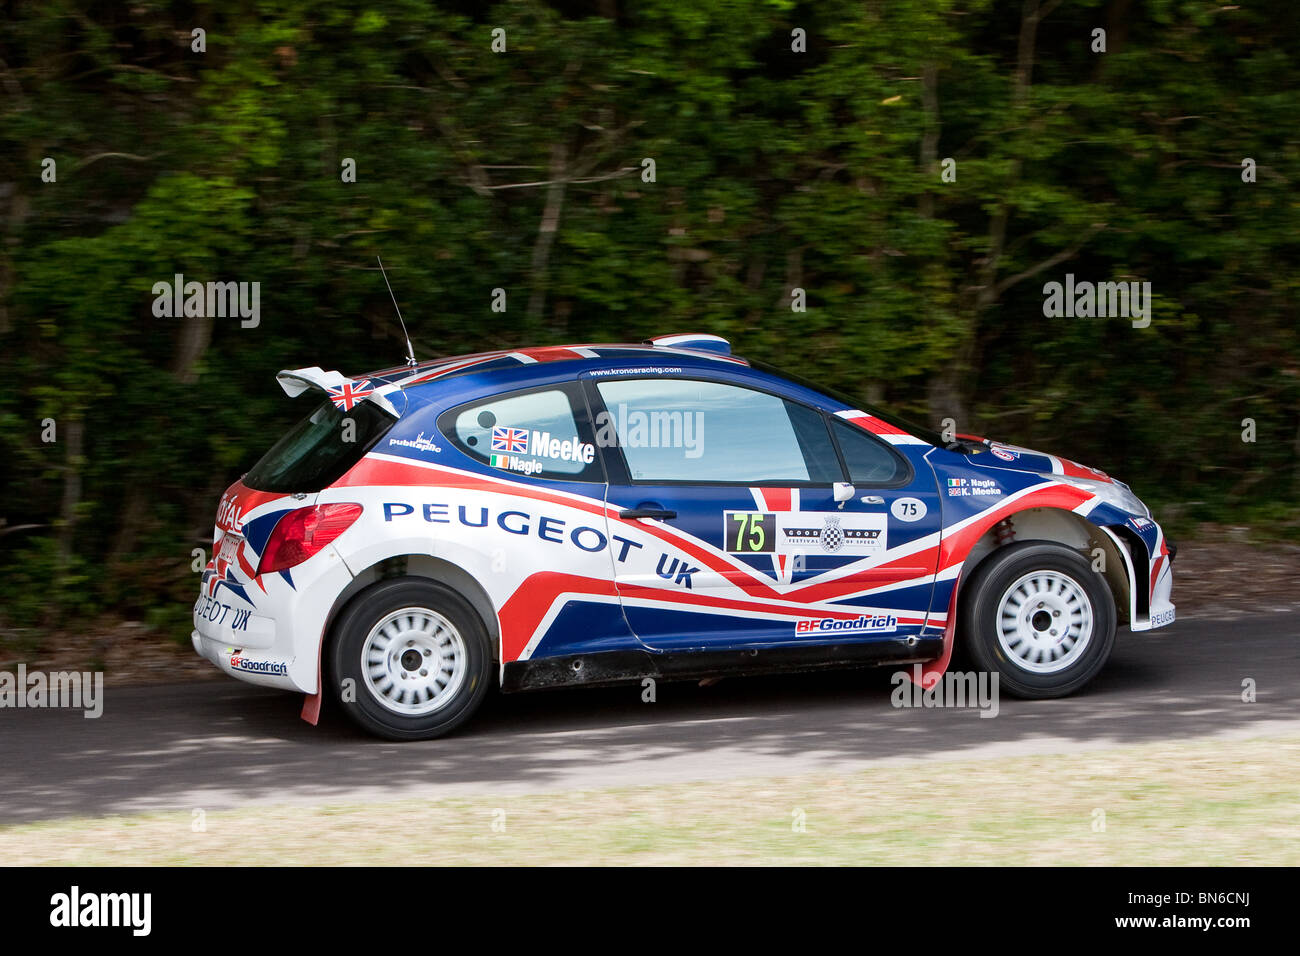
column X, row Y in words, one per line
column 749, row 532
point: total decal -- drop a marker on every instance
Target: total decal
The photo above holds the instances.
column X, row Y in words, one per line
column 509, row 444
column 229, row 516
column 805, row 532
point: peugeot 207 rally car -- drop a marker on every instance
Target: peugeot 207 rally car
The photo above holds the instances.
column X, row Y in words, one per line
column 605, row 513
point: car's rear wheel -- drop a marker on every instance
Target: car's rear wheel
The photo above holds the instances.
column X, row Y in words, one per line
column 410, row 659
column 1038, row 615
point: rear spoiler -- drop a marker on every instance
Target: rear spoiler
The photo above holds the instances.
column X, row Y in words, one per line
column 344, row 392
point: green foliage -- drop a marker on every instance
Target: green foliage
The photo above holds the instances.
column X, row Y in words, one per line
column 774, row 170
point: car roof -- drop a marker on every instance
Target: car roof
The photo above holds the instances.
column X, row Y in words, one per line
column 687, row 350
column 518, row 368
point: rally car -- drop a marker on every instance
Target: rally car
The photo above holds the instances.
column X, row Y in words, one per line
column 593, row 514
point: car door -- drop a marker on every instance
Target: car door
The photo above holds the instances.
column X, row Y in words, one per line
column 726, row 528
column 531, row 530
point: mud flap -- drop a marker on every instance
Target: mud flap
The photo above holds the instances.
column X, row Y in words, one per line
column 932, row 672
column 311, row 703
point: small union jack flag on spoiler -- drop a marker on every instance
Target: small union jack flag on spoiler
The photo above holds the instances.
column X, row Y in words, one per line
column 347, row 395
column 510, row 439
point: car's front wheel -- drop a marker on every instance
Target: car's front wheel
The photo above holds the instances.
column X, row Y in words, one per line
column 410, row 659
column 1038, row 615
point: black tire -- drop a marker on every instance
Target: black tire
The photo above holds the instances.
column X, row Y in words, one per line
column 466, row 667
column 981, row 620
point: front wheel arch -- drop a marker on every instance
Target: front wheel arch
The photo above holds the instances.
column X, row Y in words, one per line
column 1059, row 526
column 980, row 627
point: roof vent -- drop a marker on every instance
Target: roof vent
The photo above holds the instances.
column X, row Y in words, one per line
column 692, row 340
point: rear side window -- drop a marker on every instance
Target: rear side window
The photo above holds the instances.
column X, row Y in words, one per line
column 320, row 449
column 869, row 460
column 536, row 433
column 712, row 432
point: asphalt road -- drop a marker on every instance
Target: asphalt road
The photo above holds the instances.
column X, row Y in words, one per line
column 223, row 744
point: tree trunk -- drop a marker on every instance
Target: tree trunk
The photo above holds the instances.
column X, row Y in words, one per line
column 74, row 438
column 546, row 233
column 950, row 389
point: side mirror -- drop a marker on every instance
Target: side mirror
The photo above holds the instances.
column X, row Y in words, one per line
column 843, row 492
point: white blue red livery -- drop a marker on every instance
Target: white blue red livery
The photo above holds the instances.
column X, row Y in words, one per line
column 601, row 513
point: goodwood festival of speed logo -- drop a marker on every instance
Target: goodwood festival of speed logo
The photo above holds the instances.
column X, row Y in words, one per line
column 831, row 536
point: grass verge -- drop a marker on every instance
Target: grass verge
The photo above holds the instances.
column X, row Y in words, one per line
column 1230, row 802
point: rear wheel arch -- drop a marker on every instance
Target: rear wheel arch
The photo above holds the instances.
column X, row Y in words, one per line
column 427, row 566
column 408, row 658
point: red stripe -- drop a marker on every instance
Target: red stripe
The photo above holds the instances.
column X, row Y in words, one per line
column 551, row 353
column 376, row 471
column 453, row 367
column 953, row 550
column 1072, row 469
column 699, row 599
column 956, row 546
column 523, row 613
column 778, row 499
column 873, row 424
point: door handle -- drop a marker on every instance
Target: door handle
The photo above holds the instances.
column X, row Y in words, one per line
column 661, row 514
column 872, row 500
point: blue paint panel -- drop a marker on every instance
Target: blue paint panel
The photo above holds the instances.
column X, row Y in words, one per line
column 571, row 631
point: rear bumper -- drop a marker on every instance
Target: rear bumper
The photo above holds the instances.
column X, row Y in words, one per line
column 273, row 638
column 266, row 667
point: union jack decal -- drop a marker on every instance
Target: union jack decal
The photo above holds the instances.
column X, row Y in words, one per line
column 347, row 395
column 510, row 439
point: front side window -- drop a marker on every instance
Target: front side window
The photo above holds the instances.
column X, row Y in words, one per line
column 696, row 431
column 869, row 460
column 534, row 433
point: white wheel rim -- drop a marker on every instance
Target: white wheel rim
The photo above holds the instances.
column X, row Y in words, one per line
column 1045, row 622
column 413, row 661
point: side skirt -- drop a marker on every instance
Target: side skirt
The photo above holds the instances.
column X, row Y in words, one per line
column 617, row 667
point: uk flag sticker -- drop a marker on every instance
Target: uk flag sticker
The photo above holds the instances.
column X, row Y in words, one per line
column 513, row 440
column 347, row 395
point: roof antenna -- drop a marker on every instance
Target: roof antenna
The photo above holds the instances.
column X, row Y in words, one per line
column 410, row 352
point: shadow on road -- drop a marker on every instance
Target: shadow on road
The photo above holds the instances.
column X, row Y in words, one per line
column 220, row 744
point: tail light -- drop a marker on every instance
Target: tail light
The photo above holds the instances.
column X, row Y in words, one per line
column 303, row 532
